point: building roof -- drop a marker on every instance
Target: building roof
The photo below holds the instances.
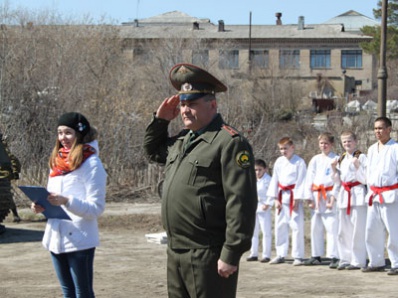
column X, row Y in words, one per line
column 177, row 24
column 352, row 21
column 172, row 17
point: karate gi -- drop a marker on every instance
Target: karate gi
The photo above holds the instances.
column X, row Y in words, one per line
column 288, row 173
column 263, row 220
column 320, row 174
column 382, row 171
column 352, row 210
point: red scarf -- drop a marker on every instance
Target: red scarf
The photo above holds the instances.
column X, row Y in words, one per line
column 62, row 162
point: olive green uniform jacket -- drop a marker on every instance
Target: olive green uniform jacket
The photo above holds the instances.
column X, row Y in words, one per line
column 209, row 195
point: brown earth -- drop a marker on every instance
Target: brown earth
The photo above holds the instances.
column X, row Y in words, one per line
column 126, row 265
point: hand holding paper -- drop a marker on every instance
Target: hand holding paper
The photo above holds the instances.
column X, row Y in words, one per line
column 39, row 195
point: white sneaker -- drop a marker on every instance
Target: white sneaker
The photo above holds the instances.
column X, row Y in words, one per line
column 298, row 262
column 277, row 260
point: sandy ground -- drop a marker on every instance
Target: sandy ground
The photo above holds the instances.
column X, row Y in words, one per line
column 126, row 265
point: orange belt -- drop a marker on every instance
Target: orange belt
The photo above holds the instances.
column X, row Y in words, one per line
column 347, row 186
column 321, row 189
column 285, row 188
column 378, row 190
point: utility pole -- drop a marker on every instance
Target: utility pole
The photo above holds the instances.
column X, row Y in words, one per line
column 382, row 73
column 250, row 42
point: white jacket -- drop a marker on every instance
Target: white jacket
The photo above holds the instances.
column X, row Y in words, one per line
column 86, row 188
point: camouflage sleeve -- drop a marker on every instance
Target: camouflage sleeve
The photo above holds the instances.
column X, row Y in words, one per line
column 5, row 174
column 5, row 162
column 15, row 167
column 10, row 167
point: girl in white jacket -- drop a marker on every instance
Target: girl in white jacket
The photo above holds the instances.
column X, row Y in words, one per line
column 77, row 183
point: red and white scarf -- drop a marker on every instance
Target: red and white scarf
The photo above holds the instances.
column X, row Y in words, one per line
column 62, row 166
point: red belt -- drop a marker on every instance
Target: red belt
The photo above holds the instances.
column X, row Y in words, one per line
column 347, row 186
column 285, row 188
column 321, row 189
column 378, row 190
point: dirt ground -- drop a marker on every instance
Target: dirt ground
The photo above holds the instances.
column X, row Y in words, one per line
column 126, row 265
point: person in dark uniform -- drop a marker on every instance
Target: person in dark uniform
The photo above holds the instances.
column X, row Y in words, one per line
column 209, row 193
column 10, row 168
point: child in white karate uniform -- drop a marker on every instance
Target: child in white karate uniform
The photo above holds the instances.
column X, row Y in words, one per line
column 382, row 196
column 319, row 189
column 287, row 191
column 350, row 171
column 263, row 215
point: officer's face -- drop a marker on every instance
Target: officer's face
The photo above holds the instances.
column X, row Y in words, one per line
column 197, row 113
column 66, row 136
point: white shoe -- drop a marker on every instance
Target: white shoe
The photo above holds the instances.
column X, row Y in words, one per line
column 277, row 260
column 298, row 262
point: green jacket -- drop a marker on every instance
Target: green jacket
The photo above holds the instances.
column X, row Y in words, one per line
column 209, row 195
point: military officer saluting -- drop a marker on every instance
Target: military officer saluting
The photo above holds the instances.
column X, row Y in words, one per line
column 209, row 195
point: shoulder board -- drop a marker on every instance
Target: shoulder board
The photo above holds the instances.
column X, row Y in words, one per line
column 230, row 130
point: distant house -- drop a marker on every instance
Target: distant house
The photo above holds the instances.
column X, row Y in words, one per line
column 370, row 106
column 299, row 52
column 353, row 107
column 353, row 21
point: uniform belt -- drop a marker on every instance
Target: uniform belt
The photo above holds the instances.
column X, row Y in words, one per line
column 321, row 189
column 378, row 190
column 347, row 186
column 286, row 188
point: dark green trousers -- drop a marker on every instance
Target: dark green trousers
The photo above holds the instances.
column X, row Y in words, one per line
column 192, row 273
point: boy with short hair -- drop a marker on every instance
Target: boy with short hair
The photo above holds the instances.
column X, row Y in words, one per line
column 350, row 171
column 287, row 191
column 319, row 189
column 263, row 215
column 382, row 197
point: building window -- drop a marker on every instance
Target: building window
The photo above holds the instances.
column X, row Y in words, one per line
column 228, row 59
column 320, row 58
column 289, row 59
column 351, row 59
column 259, row 58
column 200, row 57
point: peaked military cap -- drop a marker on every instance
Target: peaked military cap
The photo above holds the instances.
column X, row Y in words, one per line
column 192, row 82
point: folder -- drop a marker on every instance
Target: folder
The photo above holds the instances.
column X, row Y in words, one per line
column 38, row 195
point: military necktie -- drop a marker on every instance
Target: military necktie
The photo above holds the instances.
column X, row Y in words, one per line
column 191, row 138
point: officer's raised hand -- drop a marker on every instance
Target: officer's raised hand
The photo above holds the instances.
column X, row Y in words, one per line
column 168, row 109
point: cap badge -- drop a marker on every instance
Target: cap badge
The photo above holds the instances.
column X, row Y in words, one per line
column 183, row 70
column 186, row 87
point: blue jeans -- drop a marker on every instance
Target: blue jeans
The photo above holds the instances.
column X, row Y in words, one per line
column 75, row 273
